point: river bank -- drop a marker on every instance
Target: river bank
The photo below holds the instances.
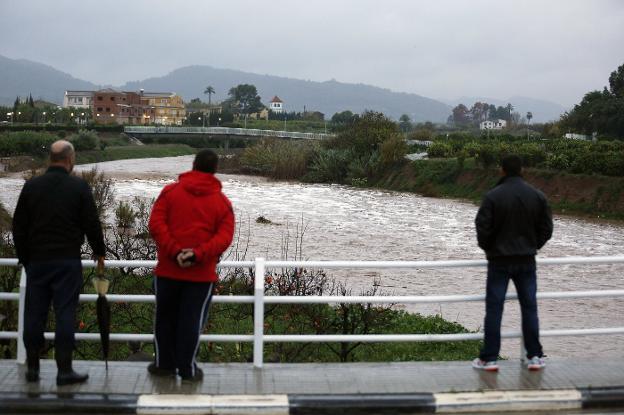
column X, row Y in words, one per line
column 588, row 196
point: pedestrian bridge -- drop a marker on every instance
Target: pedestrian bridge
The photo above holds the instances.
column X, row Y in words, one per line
column 354, row 387
column 222, row 132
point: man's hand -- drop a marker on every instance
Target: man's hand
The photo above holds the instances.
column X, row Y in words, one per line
column 186, row 258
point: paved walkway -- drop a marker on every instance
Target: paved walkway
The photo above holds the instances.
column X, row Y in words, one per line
column 321, row 380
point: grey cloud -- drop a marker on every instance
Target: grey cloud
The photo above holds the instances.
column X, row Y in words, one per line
column 555, row 50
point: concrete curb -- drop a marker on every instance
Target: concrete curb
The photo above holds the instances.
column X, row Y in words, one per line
column 462, row 402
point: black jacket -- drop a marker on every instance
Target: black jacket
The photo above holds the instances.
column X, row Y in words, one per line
column 513, row 222
column 54, row 212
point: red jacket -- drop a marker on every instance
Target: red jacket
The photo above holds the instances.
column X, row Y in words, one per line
column 191, row 213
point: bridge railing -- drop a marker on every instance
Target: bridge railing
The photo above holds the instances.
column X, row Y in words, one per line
column 260, row 265
column 248, row 132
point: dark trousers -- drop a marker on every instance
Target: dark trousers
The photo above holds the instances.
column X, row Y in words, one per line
column 181, row 313
column 57, row 282
column 524, row 278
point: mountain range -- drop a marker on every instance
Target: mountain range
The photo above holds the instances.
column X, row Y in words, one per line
column 20, row 77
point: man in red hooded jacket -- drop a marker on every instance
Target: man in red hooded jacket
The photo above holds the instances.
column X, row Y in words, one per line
column 192, row 223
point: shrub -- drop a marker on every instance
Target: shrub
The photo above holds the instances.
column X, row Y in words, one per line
column 84, row 140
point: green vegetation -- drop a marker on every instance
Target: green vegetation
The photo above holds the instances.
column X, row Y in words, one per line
column 133, row 152
column 600, row 111
column 90, row 146
column 573, row 156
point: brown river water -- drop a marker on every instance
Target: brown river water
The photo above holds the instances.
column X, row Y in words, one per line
column 345, row 223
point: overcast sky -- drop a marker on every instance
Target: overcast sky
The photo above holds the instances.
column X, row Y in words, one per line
column 556, row 49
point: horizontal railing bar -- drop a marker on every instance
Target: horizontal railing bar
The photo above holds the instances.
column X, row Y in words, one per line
column 327, row 338
column 617, row 259
column 148, row 298
column 327, row 299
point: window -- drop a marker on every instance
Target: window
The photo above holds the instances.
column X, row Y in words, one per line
column 112, row 98
column 99, row 109
column 107, row 109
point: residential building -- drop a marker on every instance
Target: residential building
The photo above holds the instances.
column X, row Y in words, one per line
column 276, row 104
column 168, row 107
column 111, row 106
column 78, row 99
column 493, row 124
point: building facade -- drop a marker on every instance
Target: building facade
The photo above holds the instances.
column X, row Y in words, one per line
column 78, row 99
column 493, row 125
column 116, row 107
column 167, row 106
column 276, row 104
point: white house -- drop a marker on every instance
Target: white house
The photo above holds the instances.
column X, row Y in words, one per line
column 78, row 99
column 493, row 125
column 276, row 105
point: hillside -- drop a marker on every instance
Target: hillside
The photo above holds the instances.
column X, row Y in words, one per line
column 328, row 97
column 20, row 77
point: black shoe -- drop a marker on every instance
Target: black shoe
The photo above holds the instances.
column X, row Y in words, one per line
column 69, row 378
column 66, row 375
column 32, row 363
column 157, row 371
column 199, row 375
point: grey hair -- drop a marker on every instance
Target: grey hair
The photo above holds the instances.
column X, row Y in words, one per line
column 61, row 154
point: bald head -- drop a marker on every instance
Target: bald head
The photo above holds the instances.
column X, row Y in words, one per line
column 62, row 154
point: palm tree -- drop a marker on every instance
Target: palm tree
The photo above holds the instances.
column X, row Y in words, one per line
column 209, row 90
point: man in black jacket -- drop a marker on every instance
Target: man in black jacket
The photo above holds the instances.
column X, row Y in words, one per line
column 513, row 222
column 53, row 213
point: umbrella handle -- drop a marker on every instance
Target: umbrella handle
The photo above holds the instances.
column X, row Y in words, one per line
column 100, row 266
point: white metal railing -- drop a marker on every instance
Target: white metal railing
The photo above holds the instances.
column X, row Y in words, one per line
column 249, row 132
column 259, row 300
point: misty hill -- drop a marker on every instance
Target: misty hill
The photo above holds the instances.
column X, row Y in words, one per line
column 327, row 97
column 542, row 110
column 21, row 77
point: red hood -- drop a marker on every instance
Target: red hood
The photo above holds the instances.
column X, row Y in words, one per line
column 198, row 183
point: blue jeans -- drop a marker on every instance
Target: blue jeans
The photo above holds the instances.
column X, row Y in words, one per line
column 524, row 278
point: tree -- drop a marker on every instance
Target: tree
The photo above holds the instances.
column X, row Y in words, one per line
column 344, row 117
column 244, row 98
column 601, row 112
column 528, row 117
column 405, row 123
column 616, row 82
column 460, row 115
column 509, row 108
column 209, row 90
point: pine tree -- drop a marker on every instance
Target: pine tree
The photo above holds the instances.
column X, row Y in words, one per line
column 31, row 102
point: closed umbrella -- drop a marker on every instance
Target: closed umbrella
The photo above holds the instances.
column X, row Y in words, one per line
column 103, row 313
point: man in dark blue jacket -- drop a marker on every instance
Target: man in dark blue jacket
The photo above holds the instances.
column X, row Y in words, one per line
column 54, row 212
column 513, row 222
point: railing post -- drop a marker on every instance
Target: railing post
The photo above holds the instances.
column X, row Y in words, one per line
column 258, row 350
column 21, row 350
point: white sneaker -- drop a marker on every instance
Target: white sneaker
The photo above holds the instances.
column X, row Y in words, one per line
column 491, row 366
column 536, row 363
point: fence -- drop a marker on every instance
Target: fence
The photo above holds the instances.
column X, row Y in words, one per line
column 259, row 300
